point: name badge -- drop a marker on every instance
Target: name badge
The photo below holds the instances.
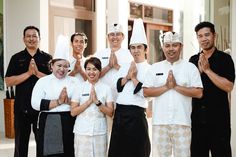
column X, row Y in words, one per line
column 86, row 94
column 104, row 57
column 157, row 74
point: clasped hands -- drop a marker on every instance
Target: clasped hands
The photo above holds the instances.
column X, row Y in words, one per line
column 203, row 64
column 77, row 66
column 113, row 63
column 32, row 69
column 93, row 96
column 132, row 73
column 63, row 97
column 170, row 81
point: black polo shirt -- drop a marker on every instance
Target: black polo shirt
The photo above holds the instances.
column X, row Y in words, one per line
column 19, row 64
column 213, row 107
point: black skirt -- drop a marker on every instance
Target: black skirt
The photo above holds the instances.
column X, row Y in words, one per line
column 129, row 136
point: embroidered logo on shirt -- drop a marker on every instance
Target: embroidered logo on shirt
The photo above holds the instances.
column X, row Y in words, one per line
column 86, row 94
column 157, row 74
column 104, row 57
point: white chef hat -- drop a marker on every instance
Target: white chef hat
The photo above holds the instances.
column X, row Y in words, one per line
column 171, row 37
column 138, row 33
column 115, row 27
column 62, row 48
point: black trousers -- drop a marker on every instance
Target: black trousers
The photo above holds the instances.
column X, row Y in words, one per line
column 67, row 122
column 129, row 136
column 23, row 123
column 211, row 138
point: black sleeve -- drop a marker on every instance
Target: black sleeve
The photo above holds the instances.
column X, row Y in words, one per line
column 138, row 87
column 44, row 105
column 228, row 70
column 118, row 85
column 11, row 69
column 194, row 59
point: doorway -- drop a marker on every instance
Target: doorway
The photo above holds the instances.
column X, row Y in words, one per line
column 69, row 16
column 153, row 32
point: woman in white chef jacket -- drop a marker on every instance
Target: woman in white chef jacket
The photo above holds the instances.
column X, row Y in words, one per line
column 51, row 96
column 91, row 103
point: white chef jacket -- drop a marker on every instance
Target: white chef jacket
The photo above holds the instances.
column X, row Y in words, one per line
column 123, row 57
column 172, row 107
column 49, row 87
column 127, row 97
column 72, row 65
column 91, row 121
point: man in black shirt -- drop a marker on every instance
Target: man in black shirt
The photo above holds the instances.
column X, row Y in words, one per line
column 24, row 69
column 211, row 129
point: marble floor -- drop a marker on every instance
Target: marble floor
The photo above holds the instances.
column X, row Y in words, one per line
column 7, row 146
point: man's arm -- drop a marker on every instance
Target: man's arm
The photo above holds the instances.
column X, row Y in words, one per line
column 17, row 79
column 189, row 91
column 221, row 82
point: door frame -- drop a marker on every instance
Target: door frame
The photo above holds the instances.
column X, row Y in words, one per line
column 151, row 26
column 75, row 13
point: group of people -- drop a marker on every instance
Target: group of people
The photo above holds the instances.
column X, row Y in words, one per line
column 96, row 106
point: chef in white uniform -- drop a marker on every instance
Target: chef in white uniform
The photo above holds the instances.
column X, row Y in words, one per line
column 51, row 96
column 129, row 136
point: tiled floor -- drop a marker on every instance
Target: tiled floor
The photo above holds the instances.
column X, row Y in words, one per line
column 7, row 146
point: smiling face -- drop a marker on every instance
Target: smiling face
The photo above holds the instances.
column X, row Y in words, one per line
column 138, row 52
column 78, row 45
column 92, row 73
column 60, row 68
column 115, row 39
column 206, row 38
column 172, row 51
column 31, row 39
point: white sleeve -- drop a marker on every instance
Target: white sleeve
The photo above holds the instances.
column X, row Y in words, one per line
column 38, row 94
column 109, row 97
column 149, row 79
column 76, row 92
column 195, row 77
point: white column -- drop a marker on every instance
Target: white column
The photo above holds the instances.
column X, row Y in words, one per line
column 101, row 24
column 44, row 23
column 192, row 16
column 117, row 11
column 233, row 94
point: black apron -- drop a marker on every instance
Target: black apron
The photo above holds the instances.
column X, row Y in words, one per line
column 55, row 134
column 129, row 136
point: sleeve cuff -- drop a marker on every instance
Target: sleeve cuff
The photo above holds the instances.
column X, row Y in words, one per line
column 138, row 87
column 44, row 105
column 118, row 85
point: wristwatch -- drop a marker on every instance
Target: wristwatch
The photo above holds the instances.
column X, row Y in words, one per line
column 99, row 103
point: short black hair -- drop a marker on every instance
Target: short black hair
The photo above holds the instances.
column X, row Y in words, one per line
column 95, row 61
column 205, row 24
column 80, row 34
column 145, row 46
column 31, row 27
